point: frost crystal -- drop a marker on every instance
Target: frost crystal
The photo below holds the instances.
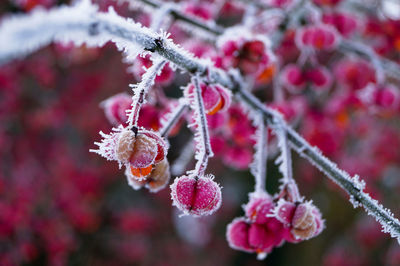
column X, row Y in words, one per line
column 108, row 144
column 201, row 136
column 259, row 164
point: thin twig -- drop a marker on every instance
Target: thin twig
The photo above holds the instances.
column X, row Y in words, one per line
column 140, row 90
column 204, row 150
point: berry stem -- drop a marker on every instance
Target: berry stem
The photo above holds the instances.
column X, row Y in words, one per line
column 285, row 161
column 202, row 133
column 140, row 90
column 259, row 166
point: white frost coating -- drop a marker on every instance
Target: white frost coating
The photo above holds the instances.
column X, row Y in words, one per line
column 23, row 34
column 201, row 135
column 108, row 143
column 160, row 16
column 80, row 24
column 140, row 90
column 259, row 165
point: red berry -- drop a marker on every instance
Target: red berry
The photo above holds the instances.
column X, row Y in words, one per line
column 196, row 195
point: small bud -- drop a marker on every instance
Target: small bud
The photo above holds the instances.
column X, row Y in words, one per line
column 196, row 195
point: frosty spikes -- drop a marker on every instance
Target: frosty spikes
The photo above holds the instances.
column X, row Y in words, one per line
column 259, row 165
column 137, row 150
column 202, row 138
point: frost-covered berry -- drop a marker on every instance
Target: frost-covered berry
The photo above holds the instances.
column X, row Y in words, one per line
column 258, row 207
column 380, row 97
column 144, row 152
column 292, row 77
column 319, row 77
column 237, row 234
column 196, row 195
column 138, row 150
column 157, row 180
column 149, row 149
column 125, row 144
column 386, row 97
column 215, row 98
column 318, row 37
column 303, row 219
column 244, row 235
column 345, row 23
column 306, row 222
column 115, row 108
column 354, row 73
column 250, row 54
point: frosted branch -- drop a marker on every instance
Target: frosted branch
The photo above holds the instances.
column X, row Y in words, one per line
column 259, row 165
column 202, row 137
column 140, row 90
column 175, row 13
column 23, row 34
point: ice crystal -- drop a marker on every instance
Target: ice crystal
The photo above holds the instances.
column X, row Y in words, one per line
column 259, row 164
column 106, row 148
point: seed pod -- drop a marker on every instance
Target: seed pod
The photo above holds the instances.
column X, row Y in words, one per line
column 237, row 234
column 125, row 144
column 133, row 181
column 159, row 178
column 196, row 195
column 141, row 173
column 284, row 211
column 306, row 222
column 144, row 152
column 259, row 205
column 154, row 181
column 161, row 145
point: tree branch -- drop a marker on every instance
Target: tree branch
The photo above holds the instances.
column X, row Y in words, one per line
column 126, row 34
